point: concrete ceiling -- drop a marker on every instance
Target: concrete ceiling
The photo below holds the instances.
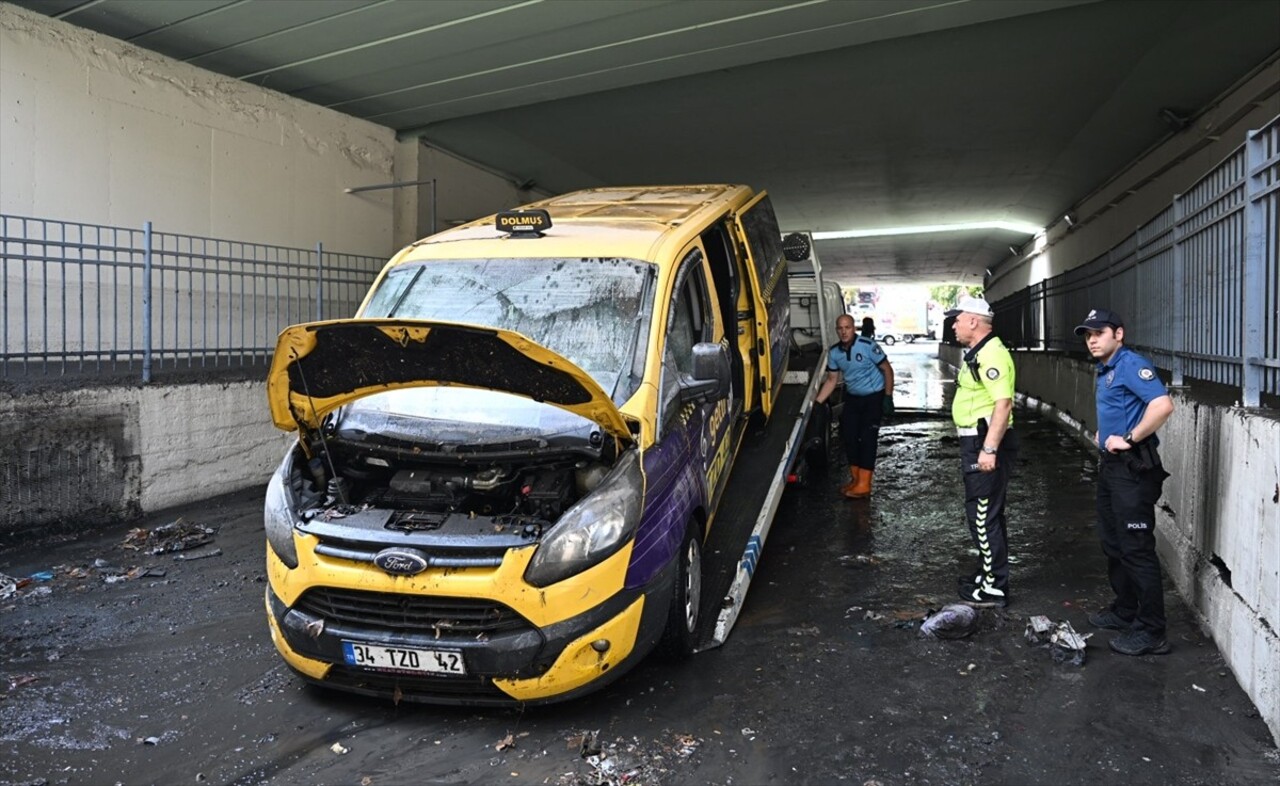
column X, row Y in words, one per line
column 854, row 114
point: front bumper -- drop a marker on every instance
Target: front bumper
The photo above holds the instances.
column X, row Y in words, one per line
column 523, row 662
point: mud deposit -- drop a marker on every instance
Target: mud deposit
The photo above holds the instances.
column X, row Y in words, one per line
column 134, row 667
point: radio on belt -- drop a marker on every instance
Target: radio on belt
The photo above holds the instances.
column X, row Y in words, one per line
column 523, row 223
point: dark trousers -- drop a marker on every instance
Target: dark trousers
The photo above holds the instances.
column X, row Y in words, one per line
column 860, row 428
column 1127, row 495
column 984, row 505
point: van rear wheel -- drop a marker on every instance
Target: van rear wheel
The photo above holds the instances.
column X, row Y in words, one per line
column 681, row 634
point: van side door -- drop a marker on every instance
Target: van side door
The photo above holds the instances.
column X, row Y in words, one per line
column 694, row 434
column 757, row 229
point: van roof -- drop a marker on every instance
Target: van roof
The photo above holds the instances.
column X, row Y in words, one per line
column 625, row 222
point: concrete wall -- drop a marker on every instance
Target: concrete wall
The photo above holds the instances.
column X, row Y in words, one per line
column 77, row 458
column 1218, row 522
column 95, row 130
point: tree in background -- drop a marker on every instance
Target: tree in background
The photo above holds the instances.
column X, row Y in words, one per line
column 946, row 295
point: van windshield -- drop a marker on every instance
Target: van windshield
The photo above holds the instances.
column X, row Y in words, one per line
column 590, row 310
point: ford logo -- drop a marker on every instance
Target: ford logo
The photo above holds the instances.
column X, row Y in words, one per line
column 401, row 561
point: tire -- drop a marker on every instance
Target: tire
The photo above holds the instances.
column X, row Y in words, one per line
column 888, row 341
column 681, row 634
column 818, row 440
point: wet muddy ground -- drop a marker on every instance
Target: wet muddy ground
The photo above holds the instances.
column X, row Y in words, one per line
column 113, row 673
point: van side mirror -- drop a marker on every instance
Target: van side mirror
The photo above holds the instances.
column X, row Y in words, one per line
column 710, row 379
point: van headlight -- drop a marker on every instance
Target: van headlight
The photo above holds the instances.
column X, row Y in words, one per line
column 596, row 527
column 277, row 515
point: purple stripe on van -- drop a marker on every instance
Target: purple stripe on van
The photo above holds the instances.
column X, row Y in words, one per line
column 676, row 486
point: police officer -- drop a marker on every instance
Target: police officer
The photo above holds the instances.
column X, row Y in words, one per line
column 1132, row 405
column 983, row 414
column 868, row 382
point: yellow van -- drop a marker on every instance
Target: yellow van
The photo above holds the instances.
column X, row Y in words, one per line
column 509, row 463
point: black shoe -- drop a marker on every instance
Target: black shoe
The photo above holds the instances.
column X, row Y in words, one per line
column 984, row 596
column 1109, row 620
column 1140, row 642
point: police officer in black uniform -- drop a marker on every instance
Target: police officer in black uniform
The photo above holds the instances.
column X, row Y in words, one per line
column 1132, row 405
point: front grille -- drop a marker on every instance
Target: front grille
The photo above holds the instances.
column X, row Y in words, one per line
column 412, row 613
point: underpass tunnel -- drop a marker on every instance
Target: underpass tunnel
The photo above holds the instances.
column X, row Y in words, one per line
column 183, row 181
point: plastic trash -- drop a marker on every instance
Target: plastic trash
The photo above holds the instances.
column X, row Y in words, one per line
column 953, row 621
column 1062, row 640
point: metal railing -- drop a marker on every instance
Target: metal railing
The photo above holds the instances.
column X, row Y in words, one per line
column 85, row 299
column 1198, row 285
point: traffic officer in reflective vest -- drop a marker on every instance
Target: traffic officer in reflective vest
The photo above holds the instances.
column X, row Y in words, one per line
column 1132, row 405
column 868, row 382
column 983, row 414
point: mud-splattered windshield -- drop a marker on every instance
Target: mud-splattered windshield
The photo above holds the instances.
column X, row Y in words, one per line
column 591, row 311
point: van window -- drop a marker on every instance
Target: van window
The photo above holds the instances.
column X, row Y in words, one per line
column 761, row 227
column 588, row 310
column 688, row 323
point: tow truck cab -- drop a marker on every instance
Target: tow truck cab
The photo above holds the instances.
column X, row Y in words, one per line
column 508, row 463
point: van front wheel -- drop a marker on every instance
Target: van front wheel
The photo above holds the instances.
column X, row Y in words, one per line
column 680, row 636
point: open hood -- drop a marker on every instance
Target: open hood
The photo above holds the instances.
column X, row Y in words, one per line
column 320, row 366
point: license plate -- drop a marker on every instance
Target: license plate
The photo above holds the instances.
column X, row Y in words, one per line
column 375, row 656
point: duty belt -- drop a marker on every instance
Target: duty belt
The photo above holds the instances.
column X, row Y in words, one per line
column 973, row 431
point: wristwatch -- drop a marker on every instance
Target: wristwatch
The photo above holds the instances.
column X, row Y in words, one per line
column 990, row 451
column 1128, row 437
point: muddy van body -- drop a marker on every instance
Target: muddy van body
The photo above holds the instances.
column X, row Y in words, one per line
column 510, row 462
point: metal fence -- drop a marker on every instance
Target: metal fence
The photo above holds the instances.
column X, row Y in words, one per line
column 88, row 299
column 1198, row 285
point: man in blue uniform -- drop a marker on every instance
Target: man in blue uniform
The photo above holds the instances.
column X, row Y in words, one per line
column 1132, row 405
column 868, row 382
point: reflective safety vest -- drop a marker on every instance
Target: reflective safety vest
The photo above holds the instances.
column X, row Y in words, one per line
column 986, row 375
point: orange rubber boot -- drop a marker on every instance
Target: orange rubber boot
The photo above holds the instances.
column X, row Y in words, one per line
column 855, row 477
column 862, row 488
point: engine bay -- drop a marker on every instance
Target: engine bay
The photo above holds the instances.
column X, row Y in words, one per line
column 366, row 487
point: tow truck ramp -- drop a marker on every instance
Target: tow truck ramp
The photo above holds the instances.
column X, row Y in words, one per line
column 754, row 489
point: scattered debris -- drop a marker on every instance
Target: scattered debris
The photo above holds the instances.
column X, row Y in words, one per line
column 587, row 743
column 8, row 586
column 1038, row 629
column 151, row 741
column 953, row 621
column 506, row 742
column 1197, row 687
column 339, row 749
column 872, row 615
column 177, row 535
column 856, row 560
column 198, row 555
column 1062, row 640
column 18, row 682
column 631, row 762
